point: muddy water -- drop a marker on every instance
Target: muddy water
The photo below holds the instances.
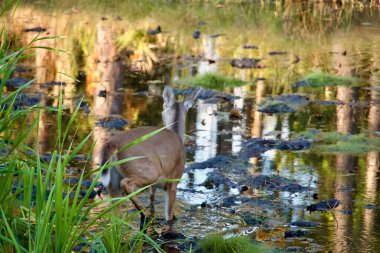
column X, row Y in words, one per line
column 122, row 69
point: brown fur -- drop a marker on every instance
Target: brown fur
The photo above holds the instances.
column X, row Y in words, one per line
column 163, row 156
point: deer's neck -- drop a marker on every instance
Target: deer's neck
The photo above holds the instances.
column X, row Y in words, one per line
column 178, row 128
column 177, row 124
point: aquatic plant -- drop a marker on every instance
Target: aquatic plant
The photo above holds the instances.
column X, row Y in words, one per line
column 336, row 142
column 320, row 79
column 214, row 81
column 215, row 243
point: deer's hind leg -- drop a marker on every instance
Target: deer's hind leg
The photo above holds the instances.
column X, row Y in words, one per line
column 152, row 191
column 128, row 185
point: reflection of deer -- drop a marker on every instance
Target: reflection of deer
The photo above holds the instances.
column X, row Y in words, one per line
column 164, row 156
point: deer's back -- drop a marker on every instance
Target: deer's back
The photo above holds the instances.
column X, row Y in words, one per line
column 164, row 155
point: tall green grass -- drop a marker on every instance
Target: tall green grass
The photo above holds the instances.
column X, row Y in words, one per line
column 38, row 213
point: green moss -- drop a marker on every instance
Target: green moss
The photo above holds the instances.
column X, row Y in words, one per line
column 213, row 81
column 215, row 243
column 335, row 142
column 345, row 147
column 320, row 79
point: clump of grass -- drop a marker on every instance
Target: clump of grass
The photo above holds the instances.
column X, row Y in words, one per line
column 320, row 79
column 335, row 142
column 38, row 213
column 213, row 81
column 215, row 243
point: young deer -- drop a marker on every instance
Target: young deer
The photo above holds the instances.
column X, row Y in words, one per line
column 164, row 156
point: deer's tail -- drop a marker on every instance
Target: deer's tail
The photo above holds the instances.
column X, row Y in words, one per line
column 106, row 153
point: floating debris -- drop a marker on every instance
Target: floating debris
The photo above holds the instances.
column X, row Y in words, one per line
column 273, row 183
column 249, row 46
column 294, row 99
column 246, row 63
column 102, row 93
column 296, row 59
column 324, row 205
column 294, row 145
column 16, row 82
column 112, row 123
column 294, row 233
column 305, row 224
column 20, row 69
column 271, row 53
column 251, row 219
column 53, row 83
column 283, row 104
column 217, row 35
column 83, row 105
column 196, row 34
column 35, row 29
column 273, row 106
column 22, row 100
column 235, row 114
column 154, row 31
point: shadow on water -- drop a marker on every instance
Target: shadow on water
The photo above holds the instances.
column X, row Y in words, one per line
column 239, row 178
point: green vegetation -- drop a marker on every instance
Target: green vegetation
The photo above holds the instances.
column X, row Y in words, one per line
column 335, row 142
column 214, row 81
column 215, row 243
column 38, row 213
column 320, row 79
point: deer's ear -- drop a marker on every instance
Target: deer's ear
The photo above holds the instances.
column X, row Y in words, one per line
column 168, row 95
column 189, row 100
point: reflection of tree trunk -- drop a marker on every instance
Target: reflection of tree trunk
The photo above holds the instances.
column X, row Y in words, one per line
column 373, row 162
column 45, row 72
column 43, row 133
column 256, row 126
column 65, row 64
column 347, row 115
column 346, row 123
column 206, row 134
column 344, row 164
column 108, row 80
column 374, row 112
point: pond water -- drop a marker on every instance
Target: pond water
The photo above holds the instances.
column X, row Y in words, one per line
column 122, row 63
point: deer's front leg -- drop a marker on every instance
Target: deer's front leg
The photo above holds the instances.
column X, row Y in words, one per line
column 171, row 193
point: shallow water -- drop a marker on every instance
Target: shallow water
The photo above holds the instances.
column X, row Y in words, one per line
column 316, row 37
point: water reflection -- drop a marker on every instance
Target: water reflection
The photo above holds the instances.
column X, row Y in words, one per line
column 297, row 27
column 372, row 166
column 107, row 80
column 346, row 165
